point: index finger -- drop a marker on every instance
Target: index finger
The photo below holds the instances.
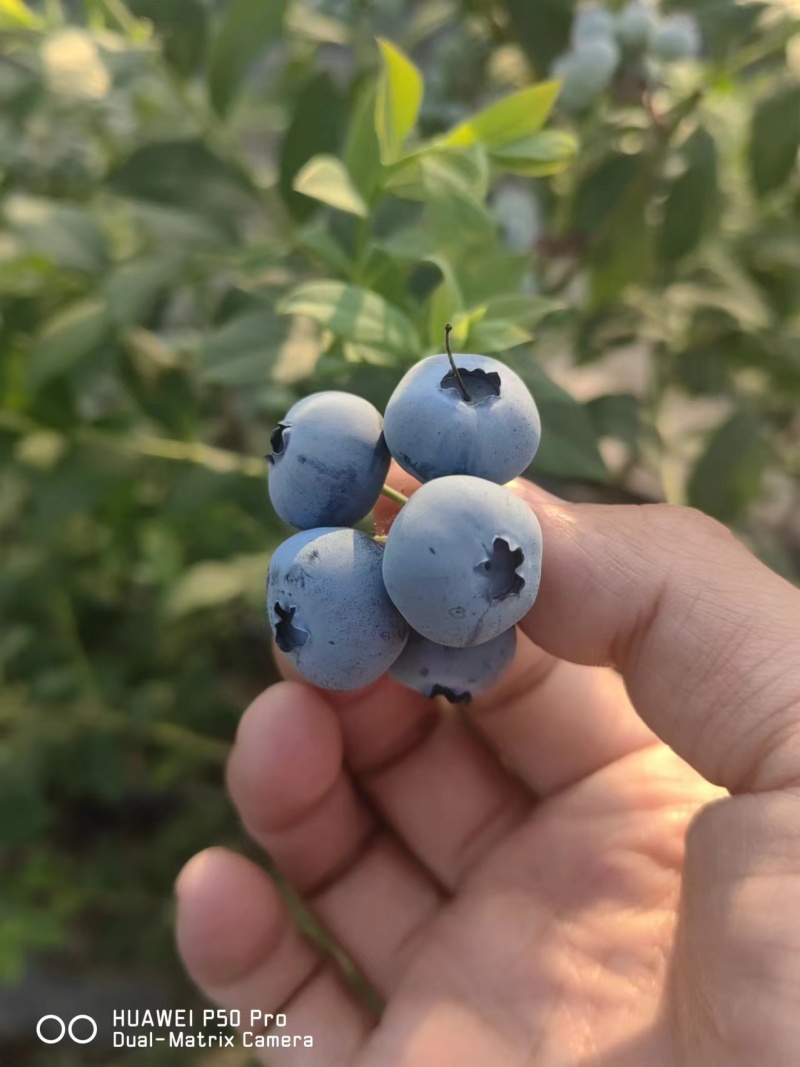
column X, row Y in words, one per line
column 705, row 636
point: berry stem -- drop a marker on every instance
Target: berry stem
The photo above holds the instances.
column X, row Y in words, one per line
column 461, row 387
column 393, row 494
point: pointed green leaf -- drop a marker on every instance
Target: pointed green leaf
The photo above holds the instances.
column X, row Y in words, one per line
column 361, row 151
column 398, row 101
column 546, row 152
column 693, row 200
column 511, row 119
column 494, row 335
column 355, row 315
column 325, row 178
column 775, row 139
column 728, row 475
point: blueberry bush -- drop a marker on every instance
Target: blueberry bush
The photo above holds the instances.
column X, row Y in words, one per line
column 212, row 208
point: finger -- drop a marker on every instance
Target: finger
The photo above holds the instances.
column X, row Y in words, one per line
column 444, row 793
column 239, row 945
column 438, row 786
column 554, row 723
column 286, row 778
column 440, row 790
column 704, row 635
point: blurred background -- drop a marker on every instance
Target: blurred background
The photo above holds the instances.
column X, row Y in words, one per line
column 211, row 208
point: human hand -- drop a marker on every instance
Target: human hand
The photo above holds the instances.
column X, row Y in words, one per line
column 559, row 877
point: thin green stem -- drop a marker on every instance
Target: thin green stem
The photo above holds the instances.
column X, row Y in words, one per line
column 393, row 494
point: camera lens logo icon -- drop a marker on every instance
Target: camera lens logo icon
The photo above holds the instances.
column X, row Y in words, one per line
column 61, row 1029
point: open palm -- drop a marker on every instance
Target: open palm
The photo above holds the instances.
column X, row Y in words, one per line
column 516, row 882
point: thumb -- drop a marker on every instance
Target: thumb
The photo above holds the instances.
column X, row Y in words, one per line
column 705, row 636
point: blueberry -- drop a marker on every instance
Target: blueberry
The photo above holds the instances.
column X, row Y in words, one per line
column 586, row 73
column 590, row 23
column 462, row 561
column 635, row 24
column 329, row 461
column 459, row 674
column 678, row 38
column 433, row 431
column 329, row 610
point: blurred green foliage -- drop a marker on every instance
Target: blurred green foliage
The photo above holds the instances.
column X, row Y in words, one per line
column 208, row 209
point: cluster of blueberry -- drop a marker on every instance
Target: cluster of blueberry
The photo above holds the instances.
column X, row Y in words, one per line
column 604, row 43
column 436, row 601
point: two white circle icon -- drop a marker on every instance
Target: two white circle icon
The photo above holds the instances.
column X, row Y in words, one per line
column 66, row 1028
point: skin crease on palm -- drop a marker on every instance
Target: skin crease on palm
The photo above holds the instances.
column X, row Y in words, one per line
column 543, row 881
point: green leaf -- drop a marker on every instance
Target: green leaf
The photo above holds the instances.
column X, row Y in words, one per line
column 247, row 27
column 546, row 152
column 355, row 315
column 514, row 118
column 67, row 338
column 182, row 26
column 469, row 168
column 243, row 350
column 325, row 178
column 320, row 242
column 185, row 175
column 14, row 14
column 494, row 335
column 603, row 188
column 693, row 201
column 457, row 220
column 133, row 289
column 212, row 583
column 361, row 153
column 522, row 309
column 775, row 140
column 625, row 255
column 569, row 442
column 398, row 101
column 727, row 476
column 63, row 234
column 617, row 415
column 315, row 129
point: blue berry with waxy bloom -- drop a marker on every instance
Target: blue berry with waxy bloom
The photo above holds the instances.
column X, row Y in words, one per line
column 329, row 461
column 590, row 24
column 635, row 25
column 462, row 560
column 678, row 38
column 329, row 610
column 473, row 416
column 586, row 73
column 458, row 674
